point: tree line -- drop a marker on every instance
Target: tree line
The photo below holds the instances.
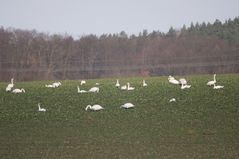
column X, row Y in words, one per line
column 199, row 48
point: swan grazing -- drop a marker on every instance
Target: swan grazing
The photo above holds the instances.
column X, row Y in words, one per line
column 127, row 106
column 144, row 84
column 211, row 83
column 82, row 82
column 94, row 107
column 18, row 90
column 172, row 100
column 41, row 109
column 10, row 86
column 80, row 91
column 129, row 88
column 172, row 80
column 124, row 87
column 217, row 87
column 117, row 84
column 94, row 89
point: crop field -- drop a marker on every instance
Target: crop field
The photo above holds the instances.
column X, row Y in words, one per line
column 202, row 123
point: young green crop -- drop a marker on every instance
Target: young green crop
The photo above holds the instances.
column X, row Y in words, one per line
column 202, row 123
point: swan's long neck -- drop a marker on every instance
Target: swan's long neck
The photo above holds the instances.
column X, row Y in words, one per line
column 39, row 106
column 78, row 88
column 12, row 81
column 214, row 77
column 128, row 85
column 88, row 106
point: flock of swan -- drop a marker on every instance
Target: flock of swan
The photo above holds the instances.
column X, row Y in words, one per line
column 182, row 82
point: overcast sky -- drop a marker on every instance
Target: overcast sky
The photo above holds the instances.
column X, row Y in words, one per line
column 79, row 17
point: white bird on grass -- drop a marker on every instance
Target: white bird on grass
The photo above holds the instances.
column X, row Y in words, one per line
column 127, row 106
column 18, row 90
column 172, row 80
column 94, row 107
column 129, row 88
column 124, row 87
column 172, row 100
column 41, row 109
column 211, row 83
column 144, row 84
column 217, row 87
column 183, row 81
column 50, row 86
column 94, row 89
column 82, row 82
column 117, row 84
column 184, row 86
column 10, row 86
column 80, row 91
column 56, row 84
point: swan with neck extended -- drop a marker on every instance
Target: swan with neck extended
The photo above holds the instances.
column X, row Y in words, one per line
column 41, row 109
column 144, row 84
column 211, row 83
column 80, row 91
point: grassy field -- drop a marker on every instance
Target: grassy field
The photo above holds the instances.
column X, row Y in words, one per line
column 202, row 123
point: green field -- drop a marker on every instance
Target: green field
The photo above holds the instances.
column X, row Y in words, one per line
column 202, row 123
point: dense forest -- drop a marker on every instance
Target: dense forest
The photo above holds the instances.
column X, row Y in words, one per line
column 199, row 48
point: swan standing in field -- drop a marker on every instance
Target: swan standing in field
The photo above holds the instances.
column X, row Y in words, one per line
column 217, row 87
column 94, row 89
column 211, row 83
column 94, row 107
column 129, row 88
column 10, row 86
column 144, row 84
column 127, row 106
column 41, row 109
column 172, row 80
column 80, row 91
column 172, row 100
column 117, row 84
column 18, row 90
column 82, row 82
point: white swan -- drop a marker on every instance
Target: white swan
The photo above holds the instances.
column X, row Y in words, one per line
column 56, row 84
column 124, row 87
column 211, row 83
column 183, row 86
column 172, row 100
column 117, row 83
column 217, row 87
column 144, row 84
column 127, row 105
column 94, row 89
column 50, row 86
column 41, row 109
column 94, row 107
column 183, row 81
column 82, row 82
column 10, row 86
column 18, row 90
column 172, row 80
column 129, row 88
column 80, row 91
